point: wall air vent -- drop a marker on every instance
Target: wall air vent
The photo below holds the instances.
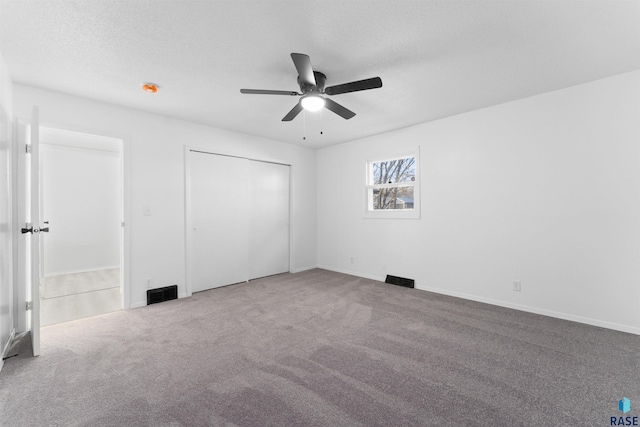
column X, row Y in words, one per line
column 162, row 294
column 400, row 281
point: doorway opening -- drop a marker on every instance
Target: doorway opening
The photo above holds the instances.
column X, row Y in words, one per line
column 81, row 200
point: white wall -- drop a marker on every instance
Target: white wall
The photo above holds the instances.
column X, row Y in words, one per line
column 81, row 200
column 154, row 156
column 545, row 190
column 6, row 222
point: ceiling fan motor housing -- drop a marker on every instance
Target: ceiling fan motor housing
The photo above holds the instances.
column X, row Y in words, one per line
column 306, row 88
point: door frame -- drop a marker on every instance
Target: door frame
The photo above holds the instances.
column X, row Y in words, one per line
column 188, row 149
column 125, row 237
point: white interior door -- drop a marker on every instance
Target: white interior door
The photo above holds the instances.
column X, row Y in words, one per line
column 219, row 214
column 268, row 195
column 33, row 183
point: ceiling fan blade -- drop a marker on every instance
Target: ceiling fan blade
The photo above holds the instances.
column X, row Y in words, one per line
column 303, row 65
column 372, row 83
column 268, row 92
column 338, row 109
column 293, row 113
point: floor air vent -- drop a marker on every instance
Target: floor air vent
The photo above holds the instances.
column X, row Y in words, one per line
column 400, row 281
column 162, row 294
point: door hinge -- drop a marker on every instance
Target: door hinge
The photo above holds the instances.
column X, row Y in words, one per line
column 28, row 148
column 123, row 223
column 29, row 305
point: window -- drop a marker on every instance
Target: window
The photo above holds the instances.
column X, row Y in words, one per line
column 393, row 187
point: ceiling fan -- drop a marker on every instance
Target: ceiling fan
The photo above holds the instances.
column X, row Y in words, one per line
column 312, row 87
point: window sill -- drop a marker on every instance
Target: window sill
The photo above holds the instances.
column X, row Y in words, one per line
column 394, row 214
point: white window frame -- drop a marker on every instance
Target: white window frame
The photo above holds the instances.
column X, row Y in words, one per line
column 370, row 186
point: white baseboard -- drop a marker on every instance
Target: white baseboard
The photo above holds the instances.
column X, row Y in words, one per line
column 12, row 335
column 138, row 304
column 352, row 273
column 300, row 270
column 7, row 345
column 534, row 310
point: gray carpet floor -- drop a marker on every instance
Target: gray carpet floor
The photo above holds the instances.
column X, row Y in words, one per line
column 319, row 348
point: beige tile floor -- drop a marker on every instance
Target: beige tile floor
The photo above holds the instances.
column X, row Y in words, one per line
column 78, row 295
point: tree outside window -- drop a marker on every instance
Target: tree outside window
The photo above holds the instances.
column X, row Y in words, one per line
column 394, row 172
column 391, row 186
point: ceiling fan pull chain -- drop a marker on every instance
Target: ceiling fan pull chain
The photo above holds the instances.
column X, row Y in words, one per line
column 321, row 120
column 304, row 124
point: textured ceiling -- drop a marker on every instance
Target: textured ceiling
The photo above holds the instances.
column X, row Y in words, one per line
column 435, row 58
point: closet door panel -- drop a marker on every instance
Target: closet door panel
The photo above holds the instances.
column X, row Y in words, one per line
column 269, row 219
column 219, row 217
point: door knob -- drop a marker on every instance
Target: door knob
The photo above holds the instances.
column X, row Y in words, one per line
column 29, row 229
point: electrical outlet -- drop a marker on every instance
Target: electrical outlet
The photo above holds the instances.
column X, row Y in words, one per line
column 146, row 210
column 517, row 286
column 148, row 283
column 352, row 260
column 384, row 267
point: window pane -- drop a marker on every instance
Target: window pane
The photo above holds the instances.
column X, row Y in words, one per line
column 392, row 171
column 393, row 198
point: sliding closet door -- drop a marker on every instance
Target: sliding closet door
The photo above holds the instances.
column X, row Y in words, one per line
column 239, row 220
column 219, row 217
column 268, row 219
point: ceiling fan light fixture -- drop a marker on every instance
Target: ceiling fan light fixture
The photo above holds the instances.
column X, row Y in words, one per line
column 312, row 102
